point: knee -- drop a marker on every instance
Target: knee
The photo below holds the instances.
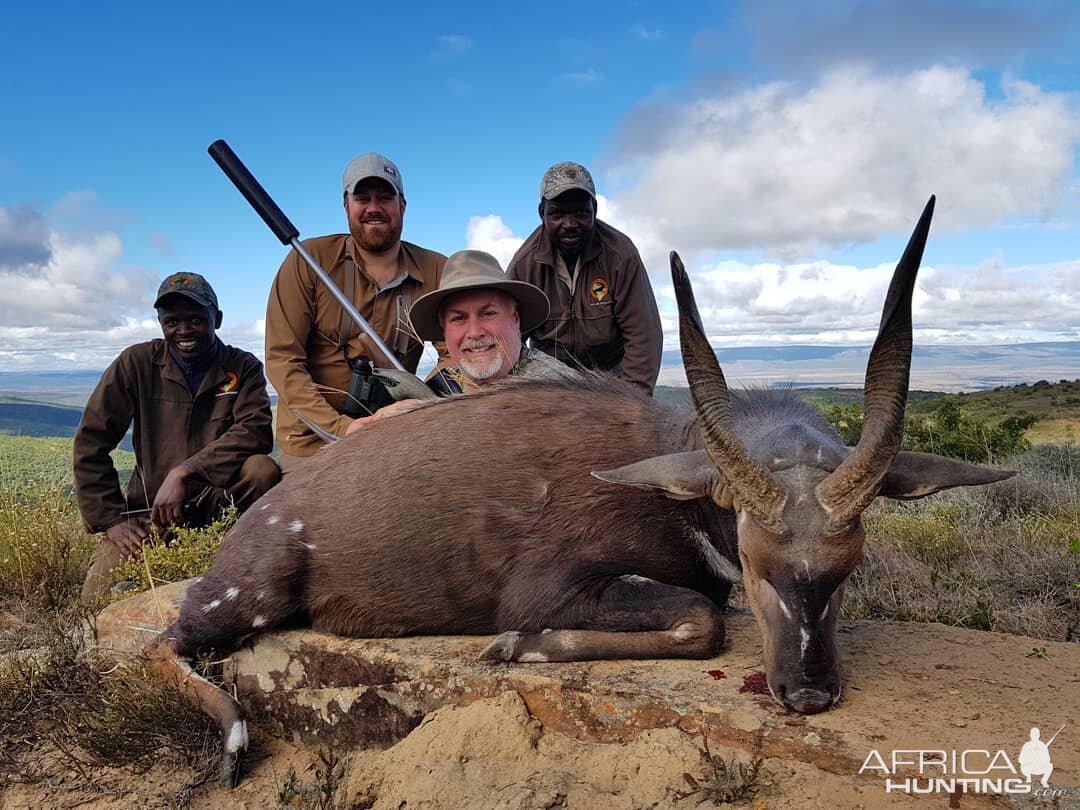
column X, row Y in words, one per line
column 260, row 473
column 701, row 628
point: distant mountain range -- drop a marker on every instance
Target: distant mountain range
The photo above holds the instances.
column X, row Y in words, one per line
column 36, row 401
column 935, row 367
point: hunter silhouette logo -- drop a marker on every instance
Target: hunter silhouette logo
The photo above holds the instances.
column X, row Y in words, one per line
column 1035, row 757
column 598, row 289
column 229, row 386
column 974, row 770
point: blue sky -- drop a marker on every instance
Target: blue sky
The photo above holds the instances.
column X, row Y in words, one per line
column 784, row 149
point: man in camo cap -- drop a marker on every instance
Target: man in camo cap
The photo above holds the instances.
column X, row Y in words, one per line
column 603, row 313
column 202, row 431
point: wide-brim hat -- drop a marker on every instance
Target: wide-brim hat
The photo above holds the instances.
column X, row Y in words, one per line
column 475, row 270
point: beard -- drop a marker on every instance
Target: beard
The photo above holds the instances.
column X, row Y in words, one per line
column 479, row 369
column 378, row 238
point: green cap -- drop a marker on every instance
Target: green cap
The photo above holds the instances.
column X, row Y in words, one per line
column 190, row 285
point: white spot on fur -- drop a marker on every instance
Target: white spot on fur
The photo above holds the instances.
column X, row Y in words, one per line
column 296, row 526
column 818, row 456
column 258, row 621
column 825, row 612
column 804, row 645
column 784, row 608
column 718, row 565
column 264, row 506
column 238, row 737
column 309, row 546
column 260, row 595
column 211, row 605
column 533, row 658
column 545, row 631
column 232, row 593
column 684, row 631
column 634, row 579
column 270, row 521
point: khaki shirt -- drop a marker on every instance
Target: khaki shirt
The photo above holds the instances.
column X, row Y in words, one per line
column 605, row 317
column 214, row 431
column 304, row 358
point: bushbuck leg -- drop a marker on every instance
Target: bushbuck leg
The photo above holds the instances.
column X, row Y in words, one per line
column 632, row 617
column 166, row 664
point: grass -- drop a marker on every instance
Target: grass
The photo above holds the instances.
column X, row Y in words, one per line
column 1004, row 557
column 723, row 781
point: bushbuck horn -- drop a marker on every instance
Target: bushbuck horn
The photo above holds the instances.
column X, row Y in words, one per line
column 850, row 488
column 757, row 490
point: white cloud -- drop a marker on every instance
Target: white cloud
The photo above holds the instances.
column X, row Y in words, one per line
column 489, row 233
column 451, row 45
column 586, row 77
column 788, row 169
column 647, row 34
column 825, row 303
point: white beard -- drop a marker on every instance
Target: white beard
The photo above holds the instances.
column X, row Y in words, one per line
column 481, row 369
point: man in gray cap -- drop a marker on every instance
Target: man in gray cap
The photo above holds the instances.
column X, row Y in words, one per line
column 202, row 431
column 603, row 313
column 481, row 315
column 312, row 346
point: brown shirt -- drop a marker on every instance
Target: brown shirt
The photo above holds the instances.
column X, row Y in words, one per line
column 605, row 318
column 214, row 431
column 304, row 336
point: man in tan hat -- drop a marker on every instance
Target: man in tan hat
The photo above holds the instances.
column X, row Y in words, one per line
column 312, row 346
column 202, row 431
column 481, row 315
column 603, row 313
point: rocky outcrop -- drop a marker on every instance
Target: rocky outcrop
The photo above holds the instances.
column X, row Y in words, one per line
column 911, row 687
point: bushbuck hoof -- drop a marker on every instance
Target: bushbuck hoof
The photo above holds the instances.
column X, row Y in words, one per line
column 502, row 648
column 232, row 755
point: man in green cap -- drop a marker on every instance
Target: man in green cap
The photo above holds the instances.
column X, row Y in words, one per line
column 201, row 438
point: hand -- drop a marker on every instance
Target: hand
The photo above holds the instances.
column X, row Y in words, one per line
column 169, row 501
column 393, row 409
column 128, row 536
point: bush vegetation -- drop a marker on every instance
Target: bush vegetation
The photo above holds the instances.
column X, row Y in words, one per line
column 1004, row 558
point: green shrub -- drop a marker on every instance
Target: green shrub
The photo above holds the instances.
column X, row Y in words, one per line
column 44, row 548
column 187, row 553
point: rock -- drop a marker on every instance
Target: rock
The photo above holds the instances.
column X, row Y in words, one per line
column 321, row 690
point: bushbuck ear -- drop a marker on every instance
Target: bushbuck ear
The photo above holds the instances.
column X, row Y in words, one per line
column 916, row 475
column 682, row 476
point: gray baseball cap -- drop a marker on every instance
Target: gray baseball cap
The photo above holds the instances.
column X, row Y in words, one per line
column 566, row 176
column 372, row 164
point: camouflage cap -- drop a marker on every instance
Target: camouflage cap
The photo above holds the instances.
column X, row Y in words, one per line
column 189, row 285
column 566, row 176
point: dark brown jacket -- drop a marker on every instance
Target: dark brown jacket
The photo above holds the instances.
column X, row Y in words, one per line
column 609, row 321
column 304, row 360
column 215, row 431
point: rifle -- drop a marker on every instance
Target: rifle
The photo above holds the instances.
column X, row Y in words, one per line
column 288, row 234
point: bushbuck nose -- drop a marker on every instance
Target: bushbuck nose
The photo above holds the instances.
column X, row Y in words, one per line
column 808, row 701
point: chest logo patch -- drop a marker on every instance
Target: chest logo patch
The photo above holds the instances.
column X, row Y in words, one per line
column 229, row 385
column 598, row 289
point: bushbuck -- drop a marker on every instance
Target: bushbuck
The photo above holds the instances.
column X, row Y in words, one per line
column 578, row 520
